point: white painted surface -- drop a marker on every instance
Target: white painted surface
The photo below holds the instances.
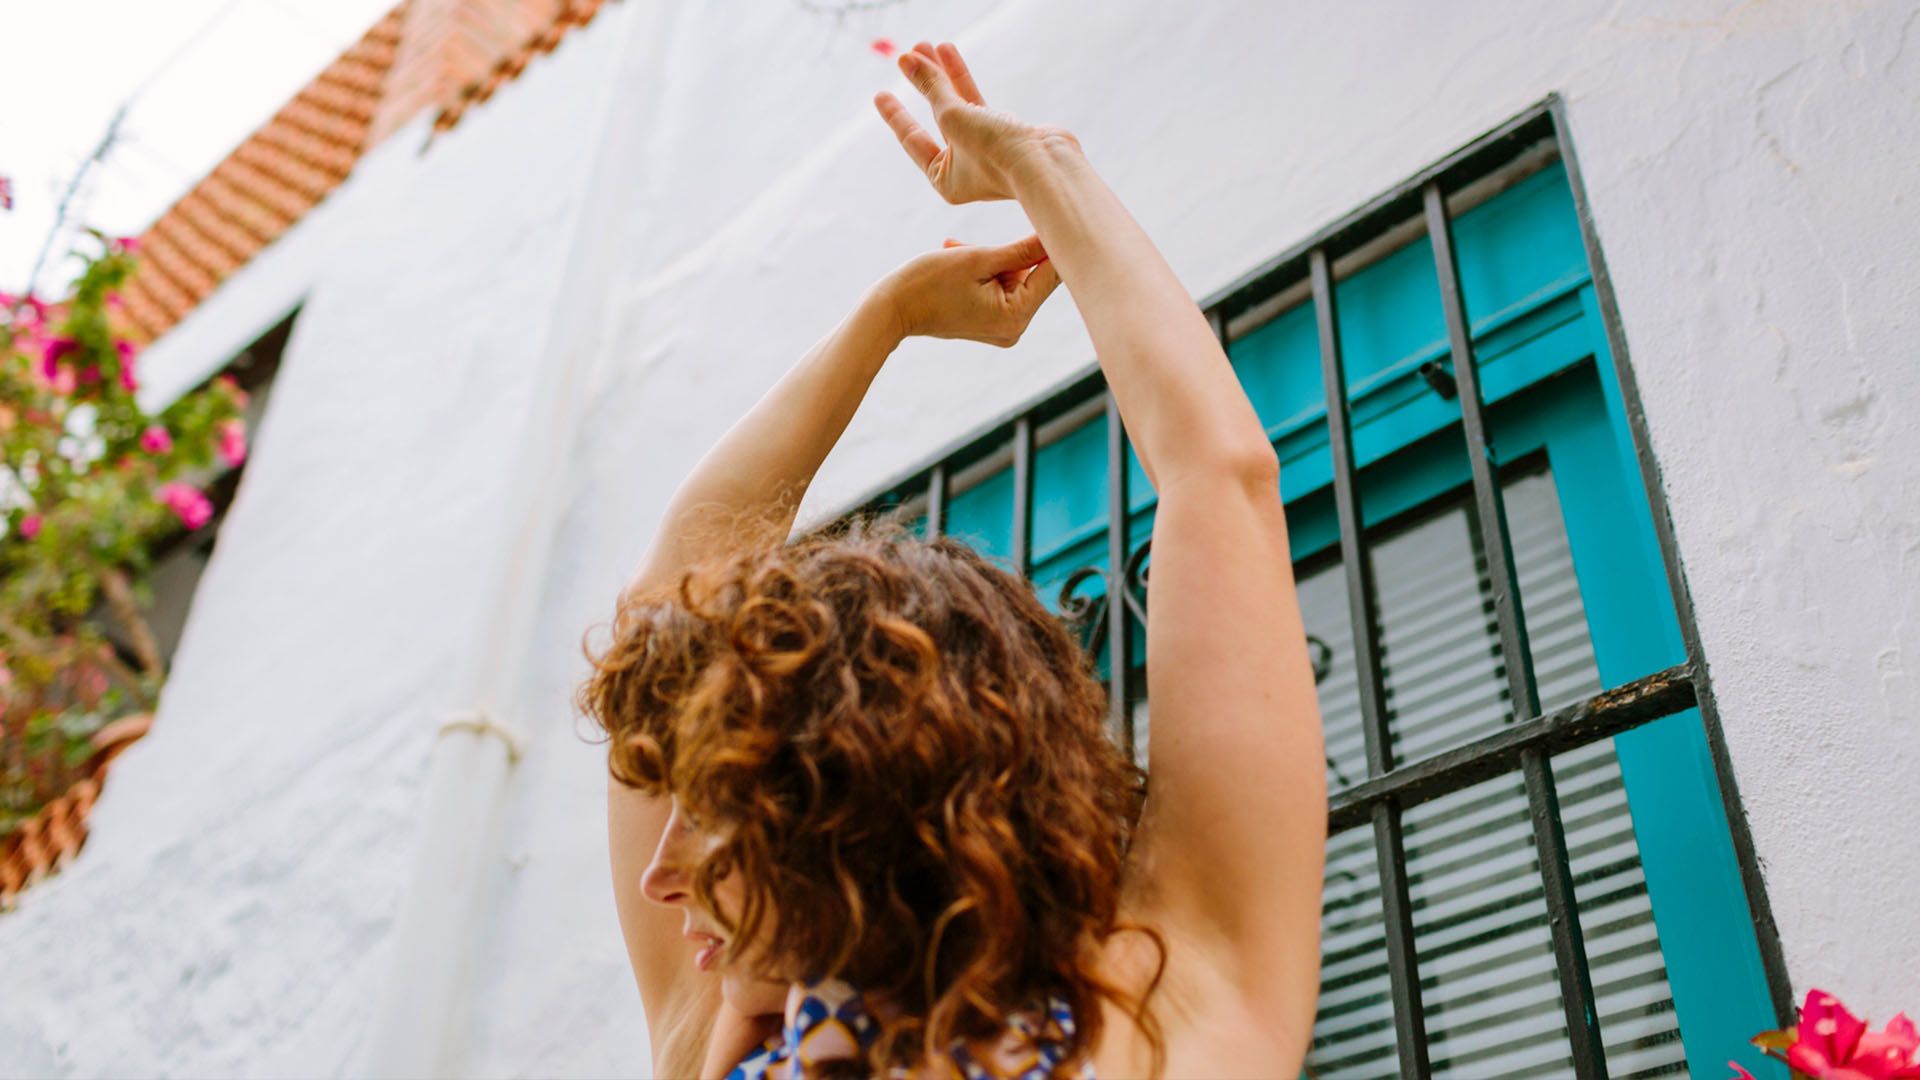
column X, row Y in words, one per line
column 1747, row 164
column 231, row 915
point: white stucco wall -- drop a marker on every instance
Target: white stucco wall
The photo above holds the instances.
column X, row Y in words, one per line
column 683, row 198
column 231, row 914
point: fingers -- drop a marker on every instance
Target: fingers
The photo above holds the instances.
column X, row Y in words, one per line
column 919, row 145
column 1039, row 285
column 929, row 77
column 1009, row 264
column 1007, row 279
column 1018, row 255
column 1013, row 266
column 949, row 58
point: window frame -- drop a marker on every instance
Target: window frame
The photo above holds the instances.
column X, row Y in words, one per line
column 1423, row 204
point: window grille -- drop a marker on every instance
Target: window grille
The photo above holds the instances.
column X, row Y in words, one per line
column 1486, row 911
column 1488, row 978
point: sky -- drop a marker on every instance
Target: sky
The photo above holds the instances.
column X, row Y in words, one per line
column 198, row 76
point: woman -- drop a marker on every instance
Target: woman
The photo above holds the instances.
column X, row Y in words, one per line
column 864, row 818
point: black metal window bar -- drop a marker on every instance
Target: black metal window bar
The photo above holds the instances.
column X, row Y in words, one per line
column 1531, row 738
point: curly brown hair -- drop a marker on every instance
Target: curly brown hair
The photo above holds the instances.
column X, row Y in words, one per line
column 902, row 752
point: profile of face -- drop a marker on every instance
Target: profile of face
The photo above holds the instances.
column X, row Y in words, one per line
column 668, row 880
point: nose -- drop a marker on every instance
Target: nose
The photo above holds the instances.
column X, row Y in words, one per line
column 666, row 880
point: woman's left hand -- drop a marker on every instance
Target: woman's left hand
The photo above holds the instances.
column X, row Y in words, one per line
column 986, row 294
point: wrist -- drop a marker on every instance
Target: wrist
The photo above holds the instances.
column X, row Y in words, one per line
column 880, row 317
column 1048, row 152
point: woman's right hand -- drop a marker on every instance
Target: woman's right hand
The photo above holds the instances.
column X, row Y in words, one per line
column 983, row 145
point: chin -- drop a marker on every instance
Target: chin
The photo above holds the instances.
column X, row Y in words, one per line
column 750, row 996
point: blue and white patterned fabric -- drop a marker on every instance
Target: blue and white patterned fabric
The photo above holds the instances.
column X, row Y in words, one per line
column 828, row 1020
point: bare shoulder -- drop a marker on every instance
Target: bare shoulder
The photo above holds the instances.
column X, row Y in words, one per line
column 1207, row 1024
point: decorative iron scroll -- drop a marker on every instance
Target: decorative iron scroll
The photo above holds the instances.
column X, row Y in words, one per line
column 1088, row 613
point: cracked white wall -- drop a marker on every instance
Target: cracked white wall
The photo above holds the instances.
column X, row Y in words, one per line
column 1748, row 165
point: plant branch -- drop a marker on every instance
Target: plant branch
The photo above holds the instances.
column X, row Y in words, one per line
column 113, row 581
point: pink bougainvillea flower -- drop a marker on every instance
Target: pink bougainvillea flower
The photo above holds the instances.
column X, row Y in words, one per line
column 6, row 192
column 56, row 349
column 227, row 383
column 90, row 374
column 128, row 244
column 232, row 435
column 1738, row 1072
column 114, row 302
column 30, row 526
column 29, row 312
column 188, row 503
column 62, row 381
column 884, row 46
column 1894, row 1053
column 127, row 353
column 156, row 440
column 1831, row 1043
column 1827, row 1034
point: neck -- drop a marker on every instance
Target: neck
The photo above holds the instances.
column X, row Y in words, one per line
column 734, row 1036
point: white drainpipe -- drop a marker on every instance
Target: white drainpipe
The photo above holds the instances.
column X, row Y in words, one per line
column 421, row 1025
column 416, row 1031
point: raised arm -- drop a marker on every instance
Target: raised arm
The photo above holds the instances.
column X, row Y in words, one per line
column 1230, row 852
column 744, row 494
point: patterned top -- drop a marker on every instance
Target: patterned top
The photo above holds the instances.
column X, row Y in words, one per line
column 828, row 1020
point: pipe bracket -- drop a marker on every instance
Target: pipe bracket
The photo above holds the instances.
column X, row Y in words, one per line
column 480, row 723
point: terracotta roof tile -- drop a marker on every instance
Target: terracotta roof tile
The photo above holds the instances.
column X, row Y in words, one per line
column 297, row 177
column 547, row 38
column 175, row 252
column 341, row 108
column 310, row 150
column 269, row 182
column 375, row 51
column 239, row 206
column 442, row 55
column 207, row 218
column 264, row 191
column 355, row 77
column 230, row 246
column 157, row 282
column 145, row 315
column 570, row 15
column 312, row 114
